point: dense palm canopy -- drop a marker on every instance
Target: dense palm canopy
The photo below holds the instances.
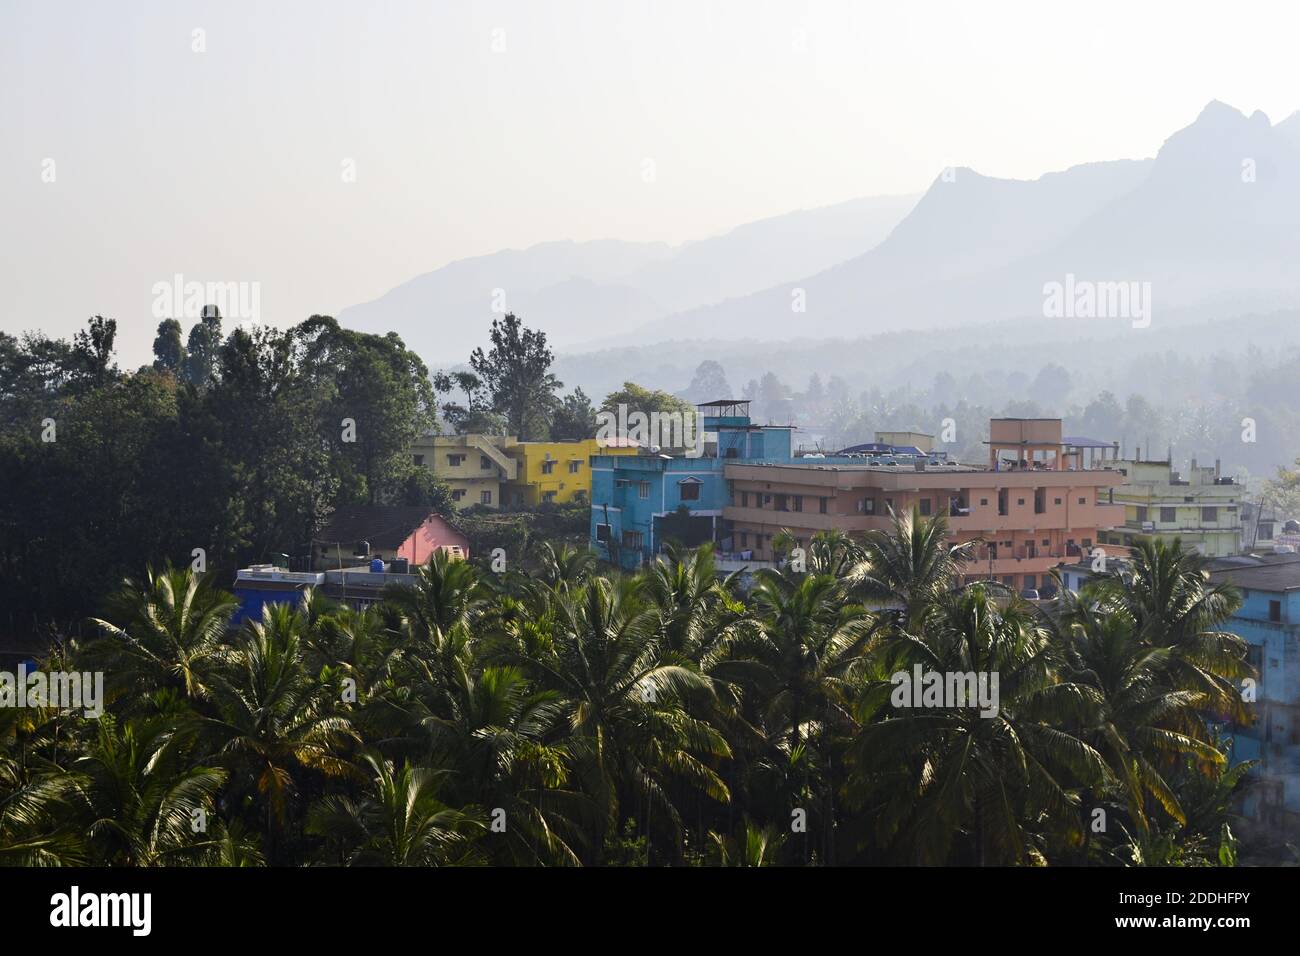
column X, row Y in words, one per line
column 672, row 716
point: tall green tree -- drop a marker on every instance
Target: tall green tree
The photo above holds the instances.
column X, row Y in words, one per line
column 516, row 371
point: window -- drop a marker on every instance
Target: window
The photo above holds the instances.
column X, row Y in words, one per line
column 1002, row 503
column 602, row 532
column 1020, row 502
column 744, row 539
column 1209, row 514
column 548, row 466
column 821, row 505
column 1265, row 531
column 1168, row 515
column 485, row 498
column 1056, row 501
column 732, row 453
column 1087, row 542
column 1275, row 611
column 574, row 466
column 457, row 494
column 926, row 506
column 455, row 461
column 633, row 539
column 419, row 459
column 1047, row 542
column 1031, row 581
column 548, row 496
column 984, row 502
column 643, row 489
column 796, row 503
column 690, row 490
column 484, row 463
column 1083, row 501
column 744, row 499
column 781, row 503
column 867, row 506
column 1142, row 513
column 1040, row 501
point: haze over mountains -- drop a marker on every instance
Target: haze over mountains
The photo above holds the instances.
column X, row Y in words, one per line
column 582, row 293
column 1212, row 223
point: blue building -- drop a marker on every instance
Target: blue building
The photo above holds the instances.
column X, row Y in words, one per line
column 637, row 501
column 1269, row 621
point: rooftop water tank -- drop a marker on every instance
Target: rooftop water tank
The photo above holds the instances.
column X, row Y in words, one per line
column 376, row 565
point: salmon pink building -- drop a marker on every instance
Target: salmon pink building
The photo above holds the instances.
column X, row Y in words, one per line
column 1040, row 501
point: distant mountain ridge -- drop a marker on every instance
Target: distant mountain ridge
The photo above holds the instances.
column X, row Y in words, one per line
column 580, row 292
column 1212, row 220
column 1215, row 216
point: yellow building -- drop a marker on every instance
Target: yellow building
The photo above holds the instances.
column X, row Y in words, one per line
column 474, row 466
column 555, row 472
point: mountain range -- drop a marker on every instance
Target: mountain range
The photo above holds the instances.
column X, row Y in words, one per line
column 1211, row 222
column 581, row 293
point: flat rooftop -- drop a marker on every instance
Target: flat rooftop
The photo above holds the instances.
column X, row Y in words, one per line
column 1264, row 572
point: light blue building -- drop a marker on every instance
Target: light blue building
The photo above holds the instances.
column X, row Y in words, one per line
column 637, row 500
column 1269, row 620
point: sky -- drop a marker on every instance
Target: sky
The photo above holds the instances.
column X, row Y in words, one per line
column 327, row 151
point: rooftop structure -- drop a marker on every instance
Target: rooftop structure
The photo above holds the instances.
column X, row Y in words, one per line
column 410, row 533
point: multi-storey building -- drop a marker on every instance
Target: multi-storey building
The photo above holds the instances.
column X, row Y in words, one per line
column 1042, row 500
column 639, row 501
column 1200, row 509
column 556, row 471
column 1269, row 622
column 474, row 466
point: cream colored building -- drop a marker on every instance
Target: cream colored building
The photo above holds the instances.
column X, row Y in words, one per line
column 1201, row 508
column 474, row 466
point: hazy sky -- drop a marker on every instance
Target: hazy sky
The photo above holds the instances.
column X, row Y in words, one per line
column 480, row 126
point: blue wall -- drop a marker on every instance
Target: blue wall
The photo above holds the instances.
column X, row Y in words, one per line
column 1275, row 652
column 617, row 483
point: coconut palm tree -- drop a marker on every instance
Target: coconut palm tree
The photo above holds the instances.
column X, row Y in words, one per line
column 1168, row 595
column 630, row 732
column 446, row 594
column 167, row 630
column 505, row 746
column 909, row 567
column 953, row 778
column 273, row 722
column 37, row 824
column 147, row 800
column 398, row 821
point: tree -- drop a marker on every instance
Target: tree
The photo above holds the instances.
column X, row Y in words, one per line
column 204, row 343
column 639, row 399
column 707, row 384
column 400, row 822
column 575, row 418
column 170, row 634
column 516, row 372
column 168, row 348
